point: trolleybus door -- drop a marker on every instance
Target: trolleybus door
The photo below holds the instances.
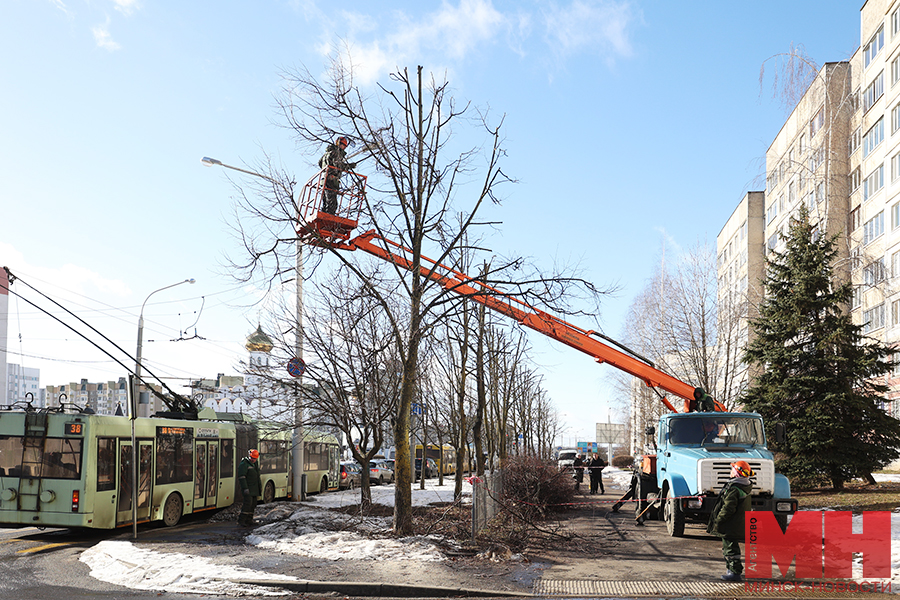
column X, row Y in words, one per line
column 126, row 476
column 206, row 474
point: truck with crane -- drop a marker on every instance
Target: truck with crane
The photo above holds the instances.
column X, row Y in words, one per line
column 678, row 483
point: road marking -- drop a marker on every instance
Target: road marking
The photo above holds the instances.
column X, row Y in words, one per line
column 44, row 547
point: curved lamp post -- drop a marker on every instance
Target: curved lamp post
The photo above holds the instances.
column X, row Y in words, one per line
column 137, row 366
column 134, row 405
column 298, row 482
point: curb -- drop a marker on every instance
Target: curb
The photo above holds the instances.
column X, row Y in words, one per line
column 393, row 590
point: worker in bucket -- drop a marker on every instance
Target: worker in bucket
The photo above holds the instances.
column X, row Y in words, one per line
column 727, row 518
column 334, row 161
column 251, row 486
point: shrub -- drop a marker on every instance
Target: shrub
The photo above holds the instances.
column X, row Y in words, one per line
column 536, row 487
column 623, row 461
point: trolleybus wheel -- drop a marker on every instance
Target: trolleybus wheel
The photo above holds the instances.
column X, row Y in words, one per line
column 324, row 487
column 172, row 510
column 269, row 493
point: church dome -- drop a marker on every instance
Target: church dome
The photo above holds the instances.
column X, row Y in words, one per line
column 259, row 341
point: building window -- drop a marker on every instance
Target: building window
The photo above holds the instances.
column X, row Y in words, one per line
column 895, row 218
column 743, row 230
column 854, row 140
column 895, row 70
column 873, row 137
column 872, row 93
column 873, row 182
column 874, row 272
column 873, row 318
column 895, row 22
column 772, row 213
column 855, row 179
column 818, row 121
column 873, row 229
column 773, row 241
column 856, row 298
column 802, row 144
column 895, row 319
column 792, row 193
column 895, row 265
column 895, row 119
column 874, row 46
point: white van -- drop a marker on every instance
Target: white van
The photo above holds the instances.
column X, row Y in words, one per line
column 566, row 458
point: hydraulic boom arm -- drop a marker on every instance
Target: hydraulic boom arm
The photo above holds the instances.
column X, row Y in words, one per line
column 527, row 315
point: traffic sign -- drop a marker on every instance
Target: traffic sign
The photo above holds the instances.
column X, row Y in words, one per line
column 296, row 367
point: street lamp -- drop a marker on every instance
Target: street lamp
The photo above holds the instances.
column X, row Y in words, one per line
column 137, row 366
column 134, row 404
column 297, row 479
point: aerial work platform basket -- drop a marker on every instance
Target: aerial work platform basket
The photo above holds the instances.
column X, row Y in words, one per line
column 329, row 206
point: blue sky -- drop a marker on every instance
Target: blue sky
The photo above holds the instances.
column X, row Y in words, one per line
column 626, row 123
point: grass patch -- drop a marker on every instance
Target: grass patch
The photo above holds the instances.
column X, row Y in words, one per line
column 855, row 496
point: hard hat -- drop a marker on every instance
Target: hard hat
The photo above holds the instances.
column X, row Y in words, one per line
column 254, row 454
column 342, row 141
column 743, row 468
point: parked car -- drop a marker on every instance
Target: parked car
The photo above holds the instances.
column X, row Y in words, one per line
column 351, row 476
column 377, row 475
column 431, row 468
column 387, row 466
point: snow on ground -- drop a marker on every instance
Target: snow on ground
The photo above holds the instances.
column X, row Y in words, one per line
column 307, row 529
column 310, row 529
column 122, row 563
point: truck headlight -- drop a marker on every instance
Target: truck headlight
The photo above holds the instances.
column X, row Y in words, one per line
column 787, row 507
column 695, row 503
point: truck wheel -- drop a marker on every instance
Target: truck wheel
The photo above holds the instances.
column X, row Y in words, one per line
column 673, row 515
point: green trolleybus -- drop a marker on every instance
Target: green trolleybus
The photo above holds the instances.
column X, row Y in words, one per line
column 62, row 469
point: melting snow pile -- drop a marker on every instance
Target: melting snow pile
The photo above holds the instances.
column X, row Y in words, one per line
column 124, row 564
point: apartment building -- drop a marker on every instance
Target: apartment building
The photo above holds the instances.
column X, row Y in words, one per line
column 838, row 153
column 22, row 381
column 740, row 248
column 875, row 199
column 104, row 398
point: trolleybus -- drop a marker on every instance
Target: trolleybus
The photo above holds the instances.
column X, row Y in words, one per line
column 60, row 469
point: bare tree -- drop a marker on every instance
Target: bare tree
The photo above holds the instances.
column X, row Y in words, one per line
column 412, row 207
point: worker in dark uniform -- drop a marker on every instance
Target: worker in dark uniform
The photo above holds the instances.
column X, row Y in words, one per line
column 727, row 518
column 251, row 486
column 595, row 468
column 702, row 401
column 334, row 161
column 578, row 466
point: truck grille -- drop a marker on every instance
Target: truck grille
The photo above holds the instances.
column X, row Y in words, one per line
column 712, row 474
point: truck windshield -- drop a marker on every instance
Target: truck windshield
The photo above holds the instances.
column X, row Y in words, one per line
column 714, row 430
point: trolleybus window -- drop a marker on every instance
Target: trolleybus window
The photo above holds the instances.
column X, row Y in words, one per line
column 106, row 464
column 174, row 454
column 273, row 456
column 227, row 458
column 10, row 456
column 62, row 458
column 58, row 459
column 316, row 457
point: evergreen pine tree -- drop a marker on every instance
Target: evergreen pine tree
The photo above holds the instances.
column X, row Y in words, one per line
column 822, row 376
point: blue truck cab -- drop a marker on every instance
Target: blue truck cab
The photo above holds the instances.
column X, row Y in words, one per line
column 694, row 452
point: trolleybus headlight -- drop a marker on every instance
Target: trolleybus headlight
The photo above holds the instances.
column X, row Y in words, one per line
column 8, row 494
column 48, row 496
column 74, row 500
